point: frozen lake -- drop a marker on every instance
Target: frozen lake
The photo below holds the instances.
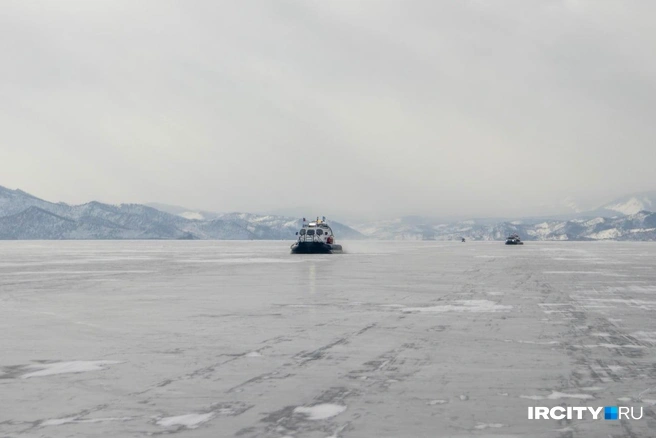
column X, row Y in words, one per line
column 392, row 339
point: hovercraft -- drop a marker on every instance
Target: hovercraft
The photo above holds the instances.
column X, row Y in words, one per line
column 315, row 238
column 514, row 240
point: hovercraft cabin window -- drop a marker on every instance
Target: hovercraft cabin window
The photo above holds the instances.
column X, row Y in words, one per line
column 319, row 232
column 310, row 232
column 302, row 232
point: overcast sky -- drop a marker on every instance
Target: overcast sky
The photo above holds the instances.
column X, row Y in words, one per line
column 337, row 108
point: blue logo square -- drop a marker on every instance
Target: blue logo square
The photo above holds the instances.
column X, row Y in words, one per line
column 610, row 413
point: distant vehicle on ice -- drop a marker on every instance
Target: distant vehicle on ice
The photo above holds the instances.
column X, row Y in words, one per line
column 513, row 239
column 316, row 238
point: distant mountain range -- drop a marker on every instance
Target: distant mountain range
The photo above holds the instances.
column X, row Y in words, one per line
column 625, row 218
column 24, row 216
column 639, row 226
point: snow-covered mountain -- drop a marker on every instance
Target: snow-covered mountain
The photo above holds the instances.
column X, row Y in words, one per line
column 624, row 205
column 16, row 201
column 186, row 213
column 625, row 218
column 632, row 204
column 23, row 216
column 639, row 226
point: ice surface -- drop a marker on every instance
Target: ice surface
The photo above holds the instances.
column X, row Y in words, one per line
column 418, row 339
column 462, row 306
column 608, row 346
column 55, row 272
column 645, row 336
column 557, row 396
column 321, row 411
column 244, row 260
column 602, row 273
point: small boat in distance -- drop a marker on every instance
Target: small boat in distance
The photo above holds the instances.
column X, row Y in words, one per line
column 316, row 238
column 514, row 239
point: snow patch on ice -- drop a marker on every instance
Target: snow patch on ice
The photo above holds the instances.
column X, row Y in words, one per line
column 59, row 421
column 68, row 420
column 533, row 342
column 190, row 421
column 437, row 402
column 253, row 354
column 77, row 366
column 624, row 399
column 488, row 425
column 555, row 395
column 474, row 306
column 321, row 411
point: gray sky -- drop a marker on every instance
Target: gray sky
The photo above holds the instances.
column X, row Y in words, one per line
column 340, row 108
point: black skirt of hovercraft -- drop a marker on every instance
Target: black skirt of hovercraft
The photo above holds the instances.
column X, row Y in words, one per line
column 315, row 248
